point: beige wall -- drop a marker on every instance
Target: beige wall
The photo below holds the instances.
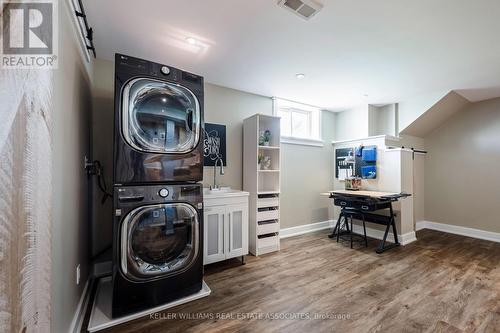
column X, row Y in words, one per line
column 462, row 186
column 300, row 188
column 305, row 172
column 71, row 139
column 102, row 150
column 229, row 107
column 301, row 203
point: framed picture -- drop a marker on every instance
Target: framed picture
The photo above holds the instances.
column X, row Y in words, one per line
column 214, row 144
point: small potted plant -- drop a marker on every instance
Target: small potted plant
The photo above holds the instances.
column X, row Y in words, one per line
column 260, row 159
column 267, row 137
column 264, row 138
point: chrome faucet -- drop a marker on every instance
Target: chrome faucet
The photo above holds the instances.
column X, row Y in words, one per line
column 215, row 186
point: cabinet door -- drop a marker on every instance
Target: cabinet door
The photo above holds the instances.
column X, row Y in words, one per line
column 213, row 238
column 236, row 231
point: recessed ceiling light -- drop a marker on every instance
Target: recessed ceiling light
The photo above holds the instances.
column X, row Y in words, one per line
column 365, row 95
column 300, row 76
column 191, row 40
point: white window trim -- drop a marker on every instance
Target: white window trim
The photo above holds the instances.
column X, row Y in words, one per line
column 302, row 141
column 296, row 140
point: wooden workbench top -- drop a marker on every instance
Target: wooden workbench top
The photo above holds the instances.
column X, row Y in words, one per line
column 373, row 194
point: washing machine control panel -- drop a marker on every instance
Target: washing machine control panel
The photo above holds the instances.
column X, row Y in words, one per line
column 163, row 192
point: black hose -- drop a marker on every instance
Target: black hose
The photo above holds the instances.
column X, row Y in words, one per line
column 101, row 182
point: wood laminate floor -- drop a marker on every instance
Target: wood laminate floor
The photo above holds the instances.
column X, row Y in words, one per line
column 441, row 283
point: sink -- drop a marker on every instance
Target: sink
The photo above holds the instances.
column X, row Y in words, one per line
column 221, row 189
column 224, row 191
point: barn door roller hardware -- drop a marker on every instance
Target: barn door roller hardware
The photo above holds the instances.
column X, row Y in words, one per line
column 88, row 34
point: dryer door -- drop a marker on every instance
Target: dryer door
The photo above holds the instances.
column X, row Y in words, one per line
column 159, row 240
column 160, row 117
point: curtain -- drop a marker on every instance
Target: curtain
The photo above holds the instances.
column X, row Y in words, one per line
column 25, row 200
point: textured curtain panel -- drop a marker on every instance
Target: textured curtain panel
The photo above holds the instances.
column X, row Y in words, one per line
column 25, row 200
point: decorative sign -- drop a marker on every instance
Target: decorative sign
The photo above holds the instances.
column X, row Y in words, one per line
column 214, row 144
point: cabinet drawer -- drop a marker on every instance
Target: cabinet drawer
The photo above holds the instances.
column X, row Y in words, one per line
column 268, row 202
column 268, row 241
column 268, row 215
column 268, row 228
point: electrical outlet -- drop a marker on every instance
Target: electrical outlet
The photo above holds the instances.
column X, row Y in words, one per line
column 78, row 274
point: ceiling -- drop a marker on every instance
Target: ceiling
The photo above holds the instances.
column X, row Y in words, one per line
column 352, row 52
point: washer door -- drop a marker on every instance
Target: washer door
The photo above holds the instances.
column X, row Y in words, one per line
column 159, row 240
column 160, row 117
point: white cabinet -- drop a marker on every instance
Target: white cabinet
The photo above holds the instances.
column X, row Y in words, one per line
column 225, row 227
column 237, row 231
column 214, row 234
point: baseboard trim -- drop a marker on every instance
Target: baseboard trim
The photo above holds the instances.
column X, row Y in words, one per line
column 305, row 229
column 458, row 230
column 373, row 233
column 404, row 239
column 77, row 322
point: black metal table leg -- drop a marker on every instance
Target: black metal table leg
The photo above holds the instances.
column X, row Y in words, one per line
column 337, row 230
column 390, row 222
column 364, row 230
column 337, row 226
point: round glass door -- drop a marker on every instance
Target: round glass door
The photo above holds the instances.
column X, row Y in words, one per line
column 160, row 117
column 159, row 240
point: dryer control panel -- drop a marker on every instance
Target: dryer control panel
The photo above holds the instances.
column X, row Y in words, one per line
column 150, row 194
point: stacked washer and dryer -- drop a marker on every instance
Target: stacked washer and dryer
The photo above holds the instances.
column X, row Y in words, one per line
column 158, row 200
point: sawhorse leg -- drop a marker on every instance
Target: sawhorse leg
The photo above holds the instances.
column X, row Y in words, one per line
column 390, row 222
column 337, row 230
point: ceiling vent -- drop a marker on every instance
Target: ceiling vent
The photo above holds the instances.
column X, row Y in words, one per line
column 303, row 8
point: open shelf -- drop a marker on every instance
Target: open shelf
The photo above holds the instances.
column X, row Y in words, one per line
column 268, row 181
column 268, row 192
column 263, row 184
column 274, row 155
column 269, row 147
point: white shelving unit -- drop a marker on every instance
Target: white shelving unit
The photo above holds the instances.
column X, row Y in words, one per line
column 263, row 185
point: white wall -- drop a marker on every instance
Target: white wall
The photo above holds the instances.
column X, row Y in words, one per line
column 365, row 121
column 382, row 120
column 71, row 139
column 352, row 124
column 411, row 108
column 394, row 174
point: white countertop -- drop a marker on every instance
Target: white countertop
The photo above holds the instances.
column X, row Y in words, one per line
column 223, row 193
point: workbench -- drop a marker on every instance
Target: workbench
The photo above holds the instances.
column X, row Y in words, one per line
column 363, row 205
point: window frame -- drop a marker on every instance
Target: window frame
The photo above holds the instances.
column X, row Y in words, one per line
column 300, row 108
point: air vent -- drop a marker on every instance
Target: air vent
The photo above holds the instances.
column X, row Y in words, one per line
column 303, row 8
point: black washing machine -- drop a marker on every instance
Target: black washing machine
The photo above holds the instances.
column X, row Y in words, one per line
column 158, row 245
column 158, row 123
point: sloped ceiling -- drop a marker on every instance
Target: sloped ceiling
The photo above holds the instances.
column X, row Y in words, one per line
column 386, row 49
column 436, row 115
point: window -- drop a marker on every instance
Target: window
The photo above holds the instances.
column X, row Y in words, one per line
column 300, row 123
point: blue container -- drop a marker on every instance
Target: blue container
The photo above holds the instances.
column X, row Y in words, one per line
column 369, row 154
column 369, row 172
